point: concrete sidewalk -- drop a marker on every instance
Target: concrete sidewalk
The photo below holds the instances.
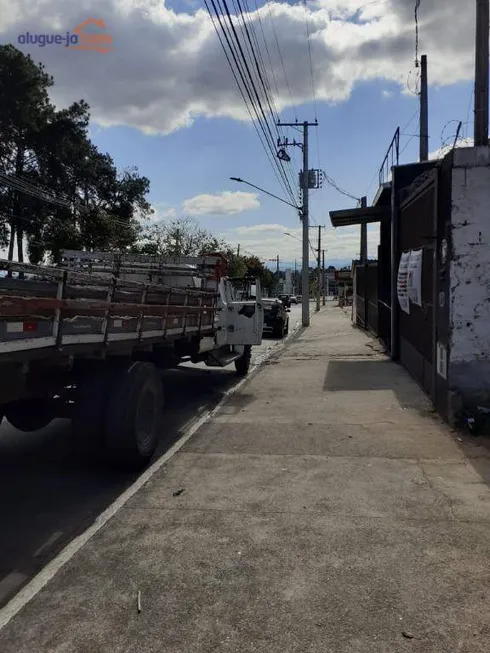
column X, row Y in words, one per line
column 325, row 509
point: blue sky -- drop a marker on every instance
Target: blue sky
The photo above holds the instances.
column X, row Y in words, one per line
column 165, row 100
column 352, row 140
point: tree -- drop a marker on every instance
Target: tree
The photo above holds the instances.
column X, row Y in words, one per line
column 185, row 237
column 236, row 264
column 24, row 109
column 179, row 237
column 56, row 188
column 256, row 268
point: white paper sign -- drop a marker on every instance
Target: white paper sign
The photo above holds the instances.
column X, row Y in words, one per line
column 401, row 284
column 441, row 360
column 414, row 280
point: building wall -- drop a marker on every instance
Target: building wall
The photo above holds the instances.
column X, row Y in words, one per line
column 469, row 311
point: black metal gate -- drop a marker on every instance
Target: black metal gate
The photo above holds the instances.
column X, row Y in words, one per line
column 418, row 230
column 367, row 296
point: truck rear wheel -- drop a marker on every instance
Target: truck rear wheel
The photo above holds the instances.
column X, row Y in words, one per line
column 29, row 415
column 242, row 364
column 134, row 417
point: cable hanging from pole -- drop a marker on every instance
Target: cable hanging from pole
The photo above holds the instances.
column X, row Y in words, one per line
column 249, row 82
column 310, row 57
column 256, row 54
column 240, row 75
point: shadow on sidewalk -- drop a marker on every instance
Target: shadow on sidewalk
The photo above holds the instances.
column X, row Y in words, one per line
column 372, row 375
column 385, row 375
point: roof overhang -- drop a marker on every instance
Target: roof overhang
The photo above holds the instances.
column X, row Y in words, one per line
column 366, row 215
column 383, row 196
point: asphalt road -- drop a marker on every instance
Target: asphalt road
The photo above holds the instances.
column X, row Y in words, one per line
column 48, row 495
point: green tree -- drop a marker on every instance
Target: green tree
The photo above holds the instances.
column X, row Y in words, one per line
column 56, row 188
column 256, row 268
column 24, row 109
column 179, row 237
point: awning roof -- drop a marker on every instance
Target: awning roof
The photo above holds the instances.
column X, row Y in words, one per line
column 349, row 217
column 383, row 196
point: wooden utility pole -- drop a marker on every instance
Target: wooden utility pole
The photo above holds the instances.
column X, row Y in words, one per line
column 481, row 73
column 424, row 111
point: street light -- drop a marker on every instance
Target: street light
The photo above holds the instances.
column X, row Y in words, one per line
column 242, row 181
column 303, row 215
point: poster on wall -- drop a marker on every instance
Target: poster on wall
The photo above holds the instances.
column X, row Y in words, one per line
column 441, row 360
column 401, row 284
column 414, row 279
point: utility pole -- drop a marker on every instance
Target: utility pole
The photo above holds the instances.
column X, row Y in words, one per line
column 364, row 261
column 277, row 266
column 363, row 253
column 306, row 233
column 323, row 275
column 305, row 217
column 294, row 284
column 481, row 73
column 424, row 110
column 319, row 268
column 238, row 250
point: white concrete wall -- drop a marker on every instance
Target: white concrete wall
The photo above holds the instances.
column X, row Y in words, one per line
column 469, row 311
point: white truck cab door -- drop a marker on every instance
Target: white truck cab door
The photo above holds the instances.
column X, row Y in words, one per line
column 244, row 317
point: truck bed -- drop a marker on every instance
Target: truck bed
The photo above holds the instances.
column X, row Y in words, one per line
column 104, row 300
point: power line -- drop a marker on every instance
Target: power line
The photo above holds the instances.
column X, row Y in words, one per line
column 467, row 122
column 295, row 113
column 249, row 83
column 31, row 190
column 246, row 88
column 262, row 73
column 309, row 53
column 409, row 141
column 332, row 183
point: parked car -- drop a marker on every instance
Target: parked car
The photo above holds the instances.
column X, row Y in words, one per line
column 276, row 318
column 293, row 299
column 285, row 299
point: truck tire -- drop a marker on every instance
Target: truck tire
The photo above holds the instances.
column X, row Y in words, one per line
column 29, row 415
column 134, row 417
column 279, row 331
column 242, row 364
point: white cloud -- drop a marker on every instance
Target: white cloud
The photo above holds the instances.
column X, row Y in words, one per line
column 387, row 94
column 167, row 68
column 445, row 149
column 162, row 211
column 271, row 228
column 225, row 203
column 269, row 240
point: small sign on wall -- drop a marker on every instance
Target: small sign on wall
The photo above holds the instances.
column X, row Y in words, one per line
column 441, row 360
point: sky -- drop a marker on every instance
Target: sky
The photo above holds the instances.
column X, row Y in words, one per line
column 164, row 99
